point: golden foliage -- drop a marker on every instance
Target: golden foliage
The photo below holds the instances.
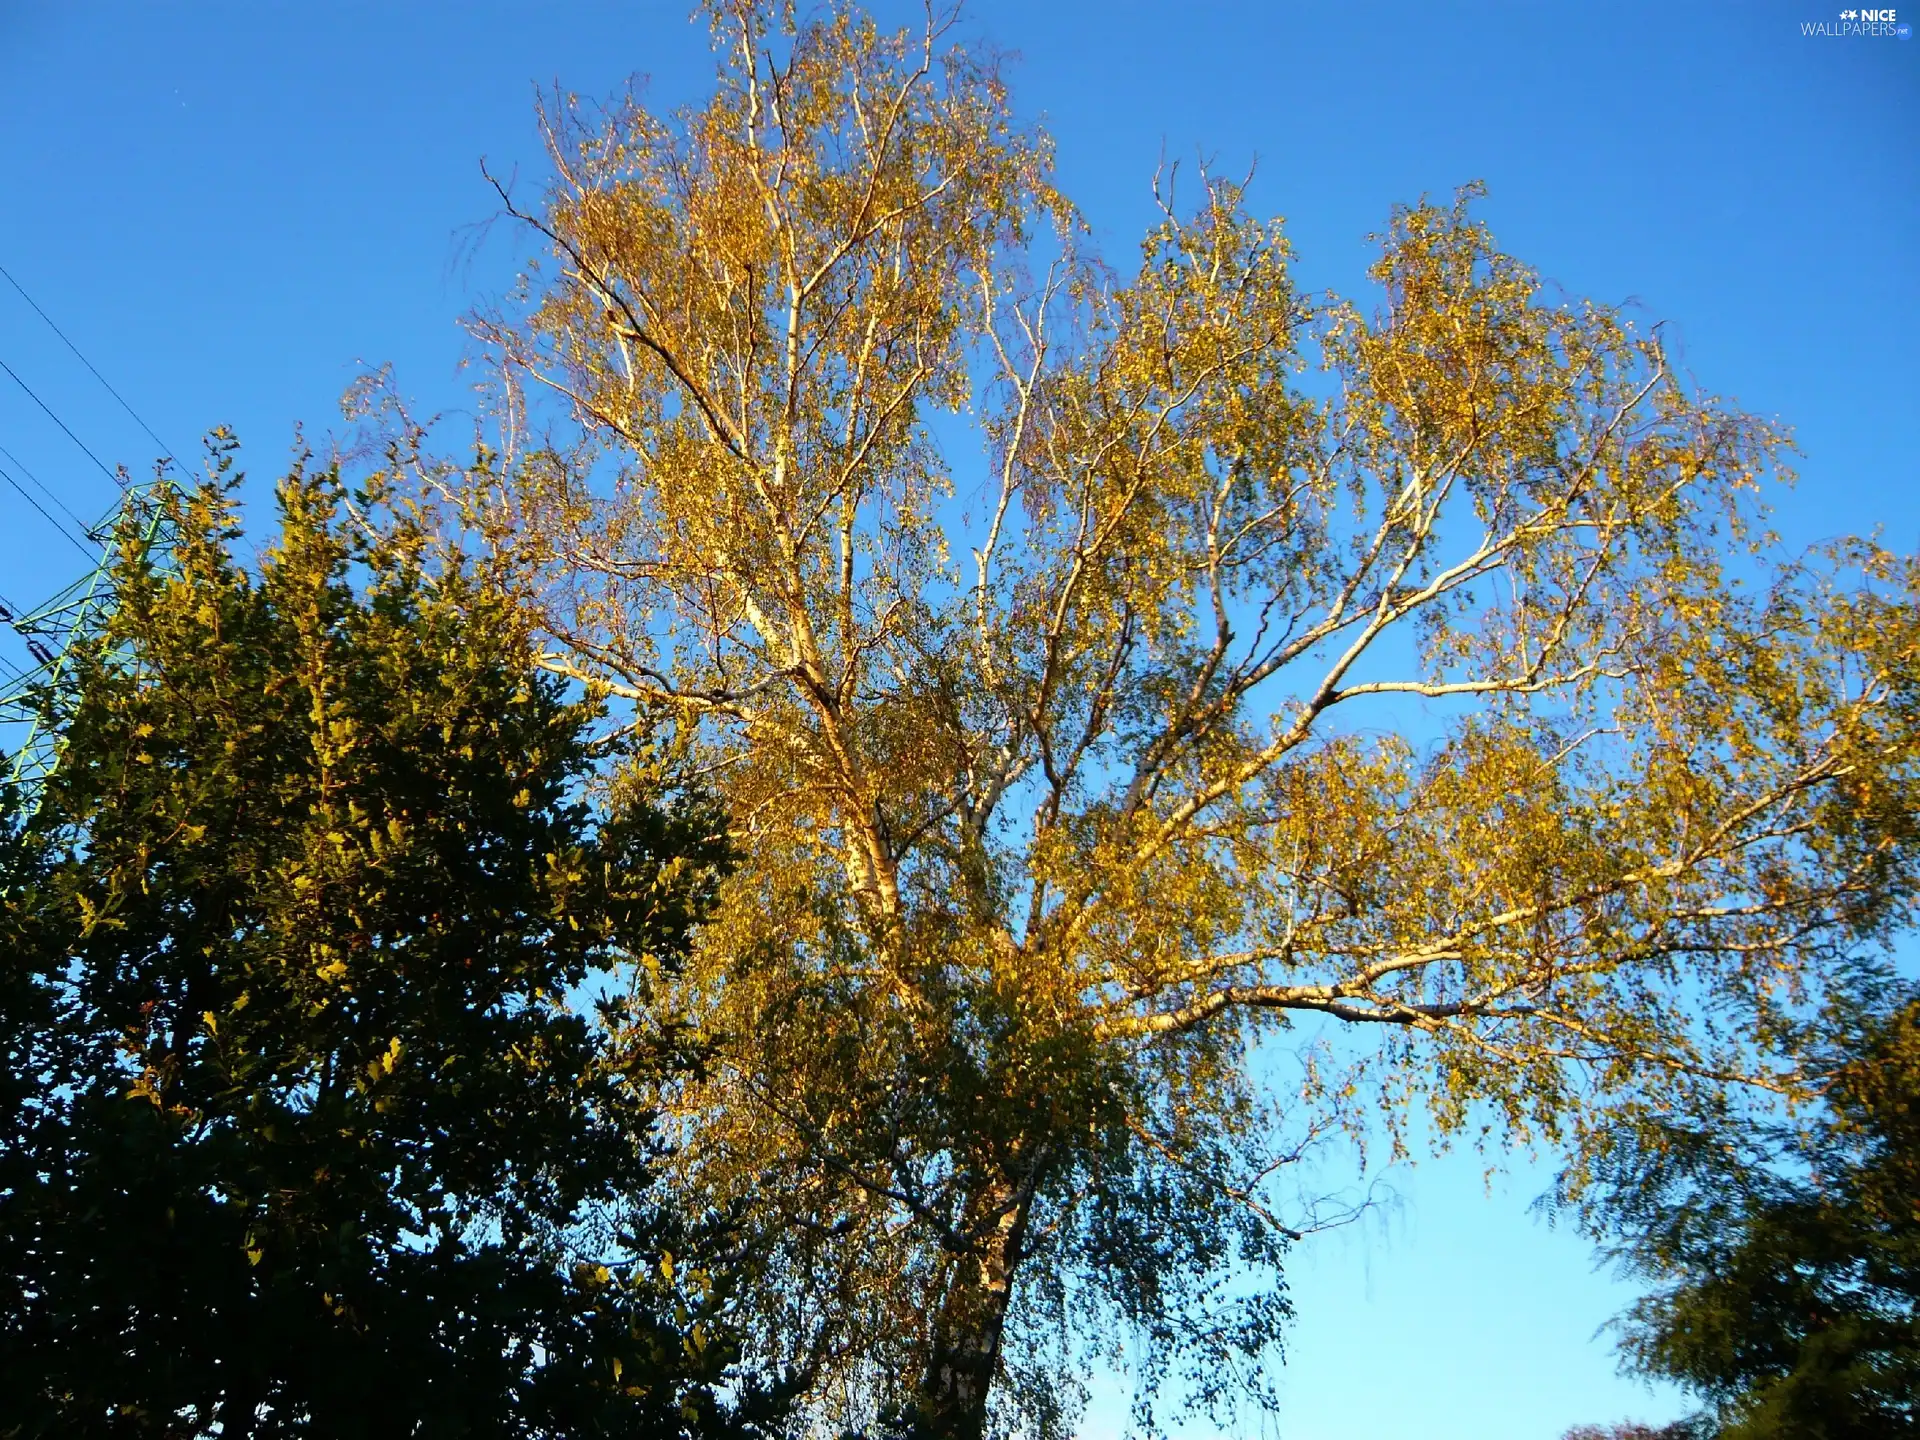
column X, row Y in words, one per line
column 1415, row 668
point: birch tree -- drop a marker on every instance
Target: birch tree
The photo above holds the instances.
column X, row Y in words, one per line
column 1113, row 675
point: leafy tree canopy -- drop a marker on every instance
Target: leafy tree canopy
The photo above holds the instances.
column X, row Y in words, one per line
column 306, row 1129
column 1785, row 1257
column 1416, row 665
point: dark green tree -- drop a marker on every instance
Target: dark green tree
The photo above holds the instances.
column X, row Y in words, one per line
column 310, row 1124
column 1785, row 1257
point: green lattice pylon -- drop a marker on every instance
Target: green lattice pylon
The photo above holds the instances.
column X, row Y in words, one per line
column 36, row 701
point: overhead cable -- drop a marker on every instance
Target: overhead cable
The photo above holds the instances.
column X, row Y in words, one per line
column 41, row 485
column 86, row 362
column 58, row 421
column 47, row 515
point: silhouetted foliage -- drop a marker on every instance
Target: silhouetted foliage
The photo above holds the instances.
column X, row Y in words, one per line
column 309, row 1125
column 1787, row 1256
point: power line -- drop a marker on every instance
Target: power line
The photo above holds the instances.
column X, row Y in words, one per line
column 47, row 515
column 11, row 614
column 43, row 488
column 86, row 362
column 58, row 421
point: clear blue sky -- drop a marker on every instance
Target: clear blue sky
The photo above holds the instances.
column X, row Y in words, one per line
column 232, row 206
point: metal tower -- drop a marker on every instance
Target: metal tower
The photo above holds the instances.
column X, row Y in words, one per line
column 34, row 700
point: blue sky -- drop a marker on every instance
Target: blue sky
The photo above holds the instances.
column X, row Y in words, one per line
column 233, row 207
